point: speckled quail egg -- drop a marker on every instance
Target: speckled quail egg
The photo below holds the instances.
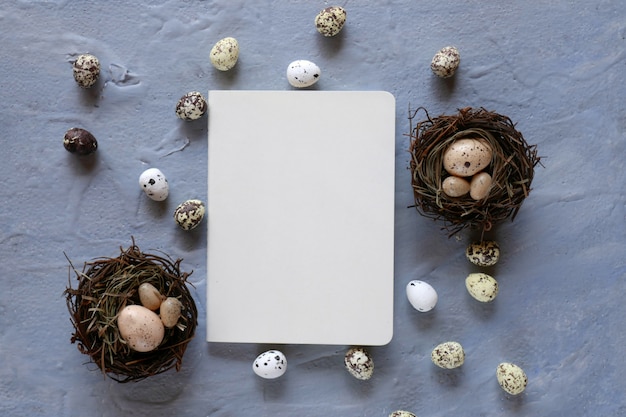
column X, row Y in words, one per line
column 445, row 62
column 170, row 311
column 303, row 73
column 86, row 70
column 466, row 157
column 480, row 185
column 330, row 21
column 80, row 141
column 191, row 106
column 402, row 413
column 483, row 253
column 448, row 355
column 153, row 182
column 149, row 296
column 270, row 365
column 359, row 363
column 421, row 295
column 189, row 214
column 455, row 186
column 225, row 53
column 140, row 327
column 511, row 378
column 481, row 287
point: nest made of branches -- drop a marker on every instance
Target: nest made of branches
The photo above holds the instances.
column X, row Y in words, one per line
column 511, row 168
column 105, row 287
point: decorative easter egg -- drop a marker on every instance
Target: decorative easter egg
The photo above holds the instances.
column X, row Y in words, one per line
column 140, row 327
column 270, row 365
column 421, row 295
column 359, row 363
column 80, row 141
column 154, row 184
column 445, row 62
column 484, row 253
column 191, row 106
column 170, row 311
column 466, row 157
column 225, row 53
column 330, row 21
column 86, row 70
column 511, row 378
column 189, row 214
column 149, row 296
column 481, row 287
column 448, row 355
column 303, row 73
column 455, row 186
column 480, row 186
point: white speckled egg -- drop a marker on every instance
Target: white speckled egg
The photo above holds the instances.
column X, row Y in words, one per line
column 170, row 311
column 402, row 413
column 455, row 186
column 191, row 106
column 511, row 378
column 303, row 73
column 154, row 184
column 445, row 62
column 448, row 355
column 189, row 214
column 86, row 70
column 225, row 53
column 140, row 327
column 149, row 296
column 359, row 363
column 466, row 157
column 270, row 365
column 481, row 287
column 480, row 186
column 330, row 21
column 484, row 253
column 421, row 295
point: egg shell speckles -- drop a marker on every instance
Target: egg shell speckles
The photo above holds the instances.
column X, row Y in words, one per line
column 481, row 287
column 225, row 53
column 191, row 106
column 270, row 365
column 466, row 157
column 421, row 295
column 402, row 413
column 303, row 73
column 189, row 214
column 330, row 21
column 359, row 363
column 80, row 141
column 485, row 253
column 445, row 62
column 153, row 182
column 86, row 70
column 140, row 327
column 511, row 378
column 480, row 186
column 448, row 355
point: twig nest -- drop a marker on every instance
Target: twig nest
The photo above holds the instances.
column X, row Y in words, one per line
column 115, row 319
column 476, row 147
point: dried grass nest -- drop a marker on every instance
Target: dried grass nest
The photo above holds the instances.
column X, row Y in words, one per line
column 511, row 168
column 105, row 286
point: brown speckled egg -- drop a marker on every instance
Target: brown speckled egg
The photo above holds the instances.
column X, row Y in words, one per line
column 359, row 363
column 466, row 157
column 191, row 106
column 140, row 327
column 481, row 287
column 511, row 378
column 448, row 355
column 455, row 186
column 330, row 21
column 80, row 141
column 485, row 253
column 189, row 214
column 445, row 62
column 225, row 53
column 480, row 185
column 86, row 70
column 402, row 413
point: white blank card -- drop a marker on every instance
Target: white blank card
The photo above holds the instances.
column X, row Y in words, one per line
column 301, row 217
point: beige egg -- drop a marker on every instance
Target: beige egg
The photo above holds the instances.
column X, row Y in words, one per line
column 511, row 378
column 140, row 328
column 149, row 296
column 170, row 311
column 481, row 287
column 448, row 355
column 225, row 53
column 455, row 186
column 484, row 253
column 466, row 157
column 480, row 186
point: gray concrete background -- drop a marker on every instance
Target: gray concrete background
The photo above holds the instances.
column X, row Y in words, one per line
column 554, row 67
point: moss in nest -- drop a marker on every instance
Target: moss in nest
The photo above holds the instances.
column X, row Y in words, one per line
column 105, row 287
column 511, row 168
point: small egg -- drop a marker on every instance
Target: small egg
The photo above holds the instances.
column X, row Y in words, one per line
column 86, row 70
column 140, row 327
column 170, row 311
column 402, row 413
column 149, row 296
column 80, row 141
column 189, row 214
column 445, row 62
column 485, row 253
column 270, row 365
column 191, row 106
column 359, row 363
column 466, row 157
column 480, row 186
column 225, row 53
column 511, row 378
column 481, row 287
column 330, row 21
column 448, row 355
column 303, row 73
column 154, row 184
column 455, row 186
column 421, row 295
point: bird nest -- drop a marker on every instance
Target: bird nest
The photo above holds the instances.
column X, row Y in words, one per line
column 511, row 168
column 105, row 287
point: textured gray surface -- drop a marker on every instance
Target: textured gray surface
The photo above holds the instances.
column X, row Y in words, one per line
column 555, row 67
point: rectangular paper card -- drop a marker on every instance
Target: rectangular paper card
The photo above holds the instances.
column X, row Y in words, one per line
column 301, row 217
